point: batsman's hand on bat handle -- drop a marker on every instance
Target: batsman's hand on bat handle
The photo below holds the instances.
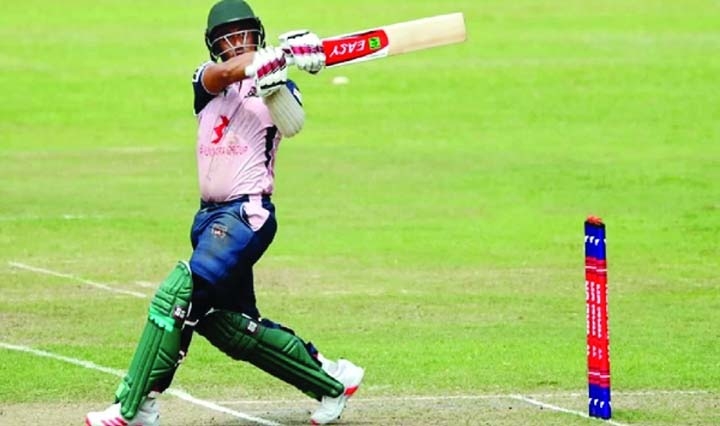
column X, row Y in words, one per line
column 302, row 48
column 305, row 48
column 269, row 69
column 251, row 69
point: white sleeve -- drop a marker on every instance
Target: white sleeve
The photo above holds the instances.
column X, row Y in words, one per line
column 286, row 110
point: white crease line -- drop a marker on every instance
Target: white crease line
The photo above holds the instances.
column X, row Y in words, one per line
column 626, row 393
column 382, row 399
column 76, row 278
column 216, row 407
column 560, row 409
column 379, row 399
column 660, row 392
column 174, row 392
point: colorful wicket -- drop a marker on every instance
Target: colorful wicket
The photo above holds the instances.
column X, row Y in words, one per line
column 598, row 339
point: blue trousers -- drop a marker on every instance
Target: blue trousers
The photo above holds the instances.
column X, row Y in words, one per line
column 225, row 248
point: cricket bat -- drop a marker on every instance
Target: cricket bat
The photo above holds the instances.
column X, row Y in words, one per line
column 390, row 40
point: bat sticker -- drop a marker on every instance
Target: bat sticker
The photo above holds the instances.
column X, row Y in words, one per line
column 356, row 47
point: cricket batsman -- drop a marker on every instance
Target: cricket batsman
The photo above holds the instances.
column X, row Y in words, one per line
column 241, row 121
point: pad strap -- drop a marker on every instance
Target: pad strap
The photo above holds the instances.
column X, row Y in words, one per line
column 270, row 347
column 158, row 350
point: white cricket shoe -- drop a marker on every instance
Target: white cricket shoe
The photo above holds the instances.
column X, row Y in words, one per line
column 148, row 415
column 350, row 375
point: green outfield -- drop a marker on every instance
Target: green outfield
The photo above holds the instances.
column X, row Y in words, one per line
column 430, row 213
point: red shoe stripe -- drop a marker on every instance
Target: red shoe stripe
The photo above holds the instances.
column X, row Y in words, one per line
column 118, row 421
column 351, row 390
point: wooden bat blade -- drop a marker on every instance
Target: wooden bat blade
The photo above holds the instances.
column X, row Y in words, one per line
column 395, row 39
column 426, row 33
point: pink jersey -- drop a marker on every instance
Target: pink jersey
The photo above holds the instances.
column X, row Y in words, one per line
column 236, row 144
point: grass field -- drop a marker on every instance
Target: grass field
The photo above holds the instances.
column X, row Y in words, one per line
column 430, row 212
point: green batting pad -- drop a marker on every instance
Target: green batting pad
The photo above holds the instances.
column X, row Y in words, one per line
column 158, row 351
column 274, row 350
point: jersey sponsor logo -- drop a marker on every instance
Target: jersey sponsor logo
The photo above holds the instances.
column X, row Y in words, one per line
column 220, row 129
column 234, row 150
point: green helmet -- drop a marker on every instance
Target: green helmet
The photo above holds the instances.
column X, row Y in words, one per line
column 228, row 11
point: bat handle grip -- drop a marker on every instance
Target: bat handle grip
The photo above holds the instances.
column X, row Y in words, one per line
column 250, row 69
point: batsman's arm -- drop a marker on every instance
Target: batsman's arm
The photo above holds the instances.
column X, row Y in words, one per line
column 218, row 76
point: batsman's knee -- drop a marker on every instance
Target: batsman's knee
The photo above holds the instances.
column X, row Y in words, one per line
column 169, row 307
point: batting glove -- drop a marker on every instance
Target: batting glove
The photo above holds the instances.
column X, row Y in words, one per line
column 271, row 71
column 306, row 49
